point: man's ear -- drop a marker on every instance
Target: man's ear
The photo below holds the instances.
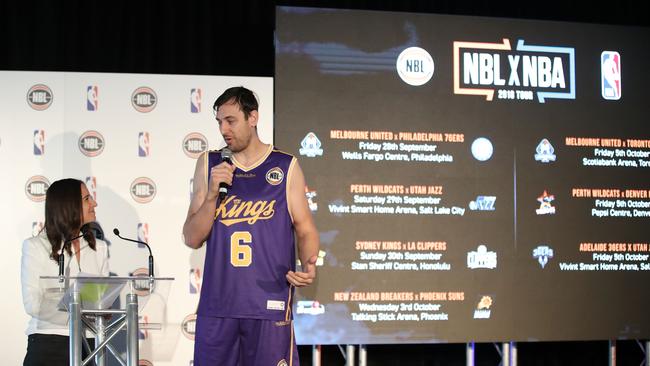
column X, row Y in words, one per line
column 253, row 118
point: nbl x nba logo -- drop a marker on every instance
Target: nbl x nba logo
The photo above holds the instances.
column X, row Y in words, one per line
column 195, row 100
column 92, row 98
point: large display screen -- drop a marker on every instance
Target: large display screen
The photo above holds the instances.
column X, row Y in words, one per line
column 472, row 179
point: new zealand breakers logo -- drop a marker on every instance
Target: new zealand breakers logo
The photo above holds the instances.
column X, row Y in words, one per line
column 144, row 99
column 91, row 143
column 483, row 203
column 415, row 66
column 40, row 97
column 523, row 73
column 143, row 190
column 543, row 253
column 92, row 98
column 610, row 74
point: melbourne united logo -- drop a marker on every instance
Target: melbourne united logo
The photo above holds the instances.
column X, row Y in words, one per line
column 143, row 190
column 40, row 97
column 544, row 152
column 526, row 72
column 275, row 176
column 415, row 66
column 36, row 187
column 91, row 143
column 194, row 144
column 311, row 146
column 188, row 326
column 144, row 99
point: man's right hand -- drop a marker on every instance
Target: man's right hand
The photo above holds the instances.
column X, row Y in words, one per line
column 218, row 174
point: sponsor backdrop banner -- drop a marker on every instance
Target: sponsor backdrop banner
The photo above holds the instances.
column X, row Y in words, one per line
column 133, row 139
column 473, row 179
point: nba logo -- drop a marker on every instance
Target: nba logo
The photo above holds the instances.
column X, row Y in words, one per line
column 143, row 233
column 39, row 142
column 37, row 226
column 195, row 100
column 92, row 93
column 191, row 188
column 143, row 334
column 610, row 75
column 195, row 280
column 143, row 144
column 91, row 184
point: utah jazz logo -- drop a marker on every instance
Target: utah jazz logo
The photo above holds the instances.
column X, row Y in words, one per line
column 233, row 210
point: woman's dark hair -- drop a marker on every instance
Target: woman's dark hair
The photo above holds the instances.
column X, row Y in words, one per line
column 245, row 98
column 63, row 215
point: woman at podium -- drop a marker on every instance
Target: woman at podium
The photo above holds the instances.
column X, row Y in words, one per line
column 69, row 207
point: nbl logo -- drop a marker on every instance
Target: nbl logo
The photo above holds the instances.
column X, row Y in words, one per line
column 144, row 99
column 142, row 287
column 188, row 326
column 195, row 100
column 610, row 75
column 194, row 144
column 143, row 190
column 144, row 144
column 415, row 66
column 40, row 97
column 275, row 176
column 91, row 184
column 36, row 187
column 143, row 233
column 39, row 142
column 92, row 98
column 91, row 143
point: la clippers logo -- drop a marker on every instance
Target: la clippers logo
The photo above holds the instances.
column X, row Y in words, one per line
column 143, row 233
column 92, row 98
column 39, row 142
column 194, row 144
column 143, row 190
column 36, row 187
column 523, row 73
column 144, row 144
column 40, row 97
column 195, row 100
column 188, row 326
column 91, row 184
column 610, row 75
column 91, row 143
column 144, row 99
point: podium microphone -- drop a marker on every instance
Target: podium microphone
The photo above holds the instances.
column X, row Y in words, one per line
column 117, row 232
column 226, row 155
column 84, row 231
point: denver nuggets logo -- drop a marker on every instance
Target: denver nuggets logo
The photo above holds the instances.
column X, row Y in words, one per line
column 275, row 176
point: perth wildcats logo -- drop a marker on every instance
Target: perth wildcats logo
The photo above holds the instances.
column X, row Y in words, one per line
column 40, row 97
column 36, row 187
column 188, row 326
column 144, row 144
column 39, row 142
column 545, row 207
column 143, row 190
column 194, row 144
column 610, row 75
column 91, row 143
column 195, row 100
column 275, row 176
column 527, row 72
column 92, row 98
column 415, row 66
column 144, row 99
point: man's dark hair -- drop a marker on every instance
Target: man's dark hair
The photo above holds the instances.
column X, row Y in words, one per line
column 245, row 98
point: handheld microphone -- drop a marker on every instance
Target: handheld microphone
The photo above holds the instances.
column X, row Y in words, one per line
column 226, row 156
column 117, row 232
column 84, row 231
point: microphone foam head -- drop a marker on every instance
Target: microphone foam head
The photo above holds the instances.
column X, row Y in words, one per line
column 226, row 154
column 115, row 231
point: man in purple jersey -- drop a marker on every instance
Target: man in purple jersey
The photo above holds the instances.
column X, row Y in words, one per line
column 244, row 315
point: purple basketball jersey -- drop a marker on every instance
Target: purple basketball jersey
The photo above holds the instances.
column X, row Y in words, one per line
column 251, row 246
